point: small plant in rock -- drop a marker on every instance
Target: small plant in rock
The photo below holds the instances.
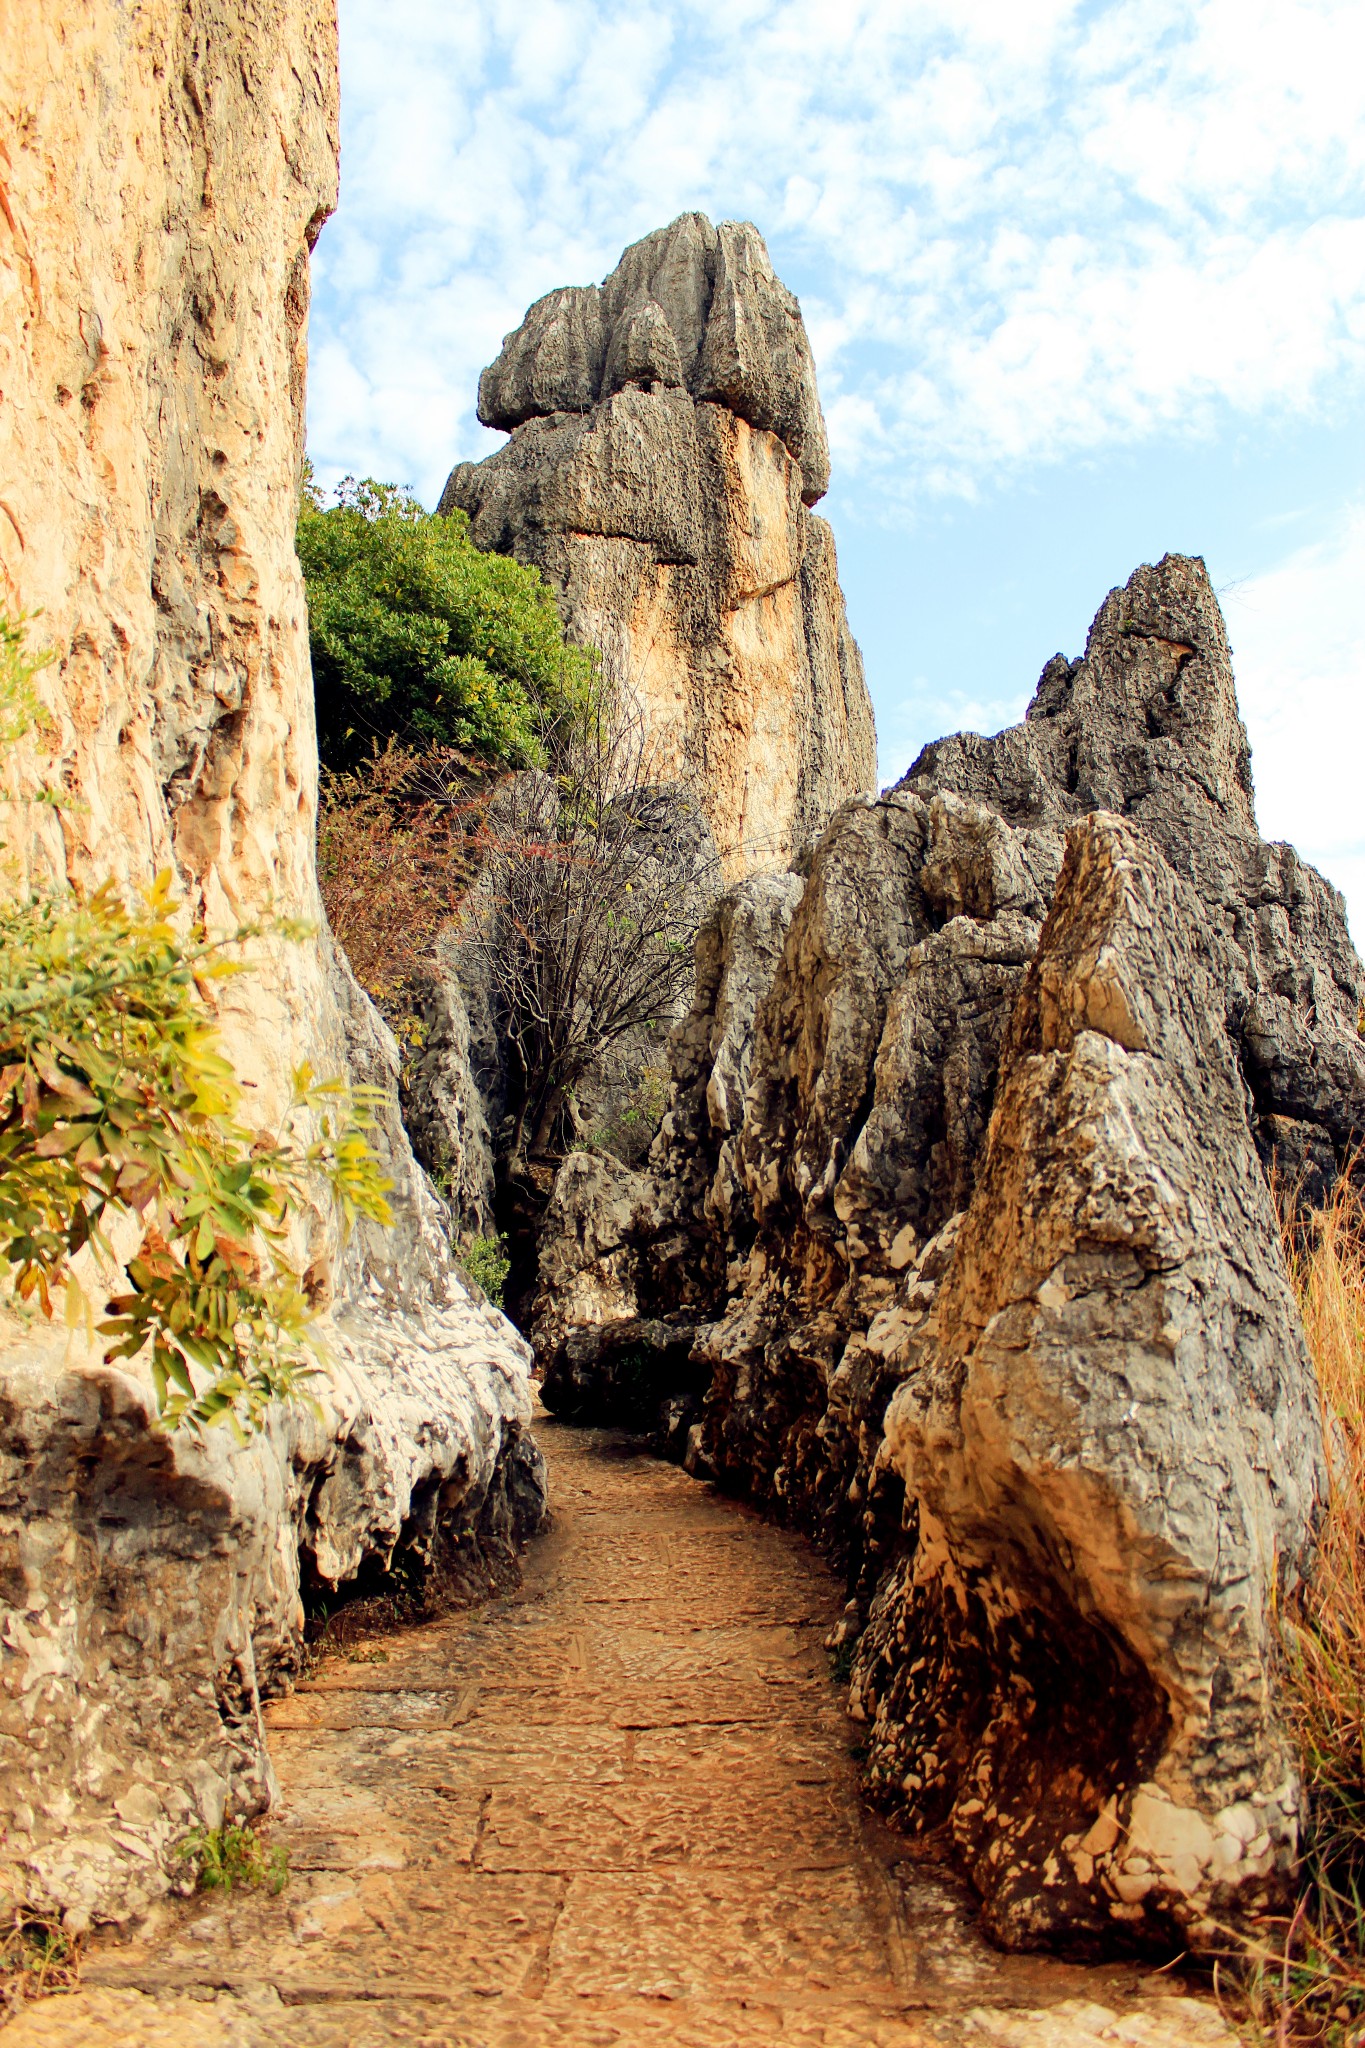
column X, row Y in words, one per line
column 841, row 1657
column 233, row 1856
column 486, row 1261
column 36, row 1957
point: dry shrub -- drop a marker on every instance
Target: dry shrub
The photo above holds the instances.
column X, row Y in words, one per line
column 1324, row 1631
column 398, row 846
column 1306, row 1982
column 593, row 885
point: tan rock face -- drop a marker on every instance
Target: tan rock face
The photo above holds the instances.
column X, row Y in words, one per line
column 164, row 170
column 666, row 443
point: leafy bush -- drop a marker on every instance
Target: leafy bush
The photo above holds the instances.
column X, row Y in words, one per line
column 228, row 1857
column 116, row 1100
column 419, row 636
column 118, row 1107
column 486, row 1261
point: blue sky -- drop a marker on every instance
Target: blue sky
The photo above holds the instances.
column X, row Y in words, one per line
column 1084, row 282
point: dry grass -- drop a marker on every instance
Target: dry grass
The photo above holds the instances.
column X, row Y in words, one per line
column 36, row 1958
column 1306, row 1982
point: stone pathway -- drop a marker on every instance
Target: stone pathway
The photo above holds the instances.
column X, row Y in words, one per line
column 617, row 1807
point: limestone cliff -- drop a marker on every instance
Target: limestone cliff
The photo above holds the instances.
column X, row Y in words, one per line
column 666, row 442
column 957, row 1248
column 165, row 167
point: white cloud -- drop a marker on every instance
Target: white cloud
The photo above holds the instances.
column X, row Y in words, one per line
column 1298, row 642
column 1038, row 227
column 1026, row 231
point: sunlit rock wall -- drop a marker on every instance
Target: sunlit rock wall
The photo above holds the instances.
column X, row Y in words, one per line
column 164, row 171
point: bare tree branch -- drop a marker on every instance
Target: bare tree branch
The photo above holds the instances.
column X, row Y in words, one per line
column 593, row 883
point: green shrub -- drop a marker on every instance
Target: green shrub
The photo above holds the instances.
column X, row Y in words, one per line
column 116, row 1100
column 487, row 1264
column 118, row 1106
column 226, row 1857
column 419, row 636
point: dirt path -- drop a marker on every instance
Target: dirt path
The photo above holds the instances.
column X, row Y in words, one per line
column 617, row 1807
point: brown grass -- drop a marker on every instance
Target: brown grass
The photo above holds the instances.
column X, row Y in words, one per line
column 1305, row 1982
column 36, row 1958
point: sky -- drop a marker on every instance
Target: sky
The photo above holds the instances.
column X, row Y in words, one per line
column 1084, row 279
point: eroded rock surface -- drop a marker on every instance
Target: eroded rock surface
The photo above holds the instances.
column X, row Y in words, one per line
column 972, row 1234
column 164, row 171
column 666, row 442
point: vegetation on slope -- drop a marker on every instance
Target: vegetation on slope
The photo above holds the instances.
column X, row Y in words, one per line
column 438, row 669
column 399, row 842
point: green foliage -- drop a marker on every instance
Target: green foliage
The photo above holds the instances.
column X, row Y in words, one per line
column 20, row 707
column 227, row 1857
column 419, row 636
column 486, row 1261
column 122, row 1136
column 116, row 1101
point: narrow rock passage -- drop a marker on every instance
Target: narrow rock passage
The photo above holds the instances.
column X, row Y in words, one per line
column 618, row 1806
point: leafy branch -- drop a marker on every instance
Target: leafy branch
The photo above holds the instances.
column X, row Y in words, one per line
column 116, row 1101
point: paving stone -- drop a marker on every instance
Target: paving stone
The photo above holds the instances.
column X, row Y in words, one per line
column 598, row 1813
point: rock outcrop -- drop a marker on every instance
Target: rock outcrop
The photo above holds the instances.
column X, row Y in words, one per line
column 666, row 443
column 971, row 1235
column 164, row 171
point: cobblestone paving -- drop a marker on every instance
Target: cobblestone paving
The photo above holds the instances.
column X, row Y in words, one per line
column 616, row 1807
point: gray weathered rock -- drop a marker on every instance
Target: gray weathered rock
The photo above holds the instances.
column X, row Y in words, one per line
column 666, row 442
column 446, row 1111
column 692, row 307
column 1108, row 1427
column 1022, row 1350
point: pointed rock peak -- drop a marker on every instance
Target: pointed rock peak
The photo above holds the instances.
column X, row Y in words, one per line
column 1145, row 723
column 691, row 306
column 1157, row 677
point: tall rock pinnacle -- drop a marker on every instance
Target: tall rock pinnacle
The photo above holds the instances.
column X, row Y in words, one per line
column 667, row 442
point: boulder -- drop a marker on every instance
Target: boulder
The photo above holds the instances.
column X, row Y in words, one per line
column 666, row 444
column 1107, row 1426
